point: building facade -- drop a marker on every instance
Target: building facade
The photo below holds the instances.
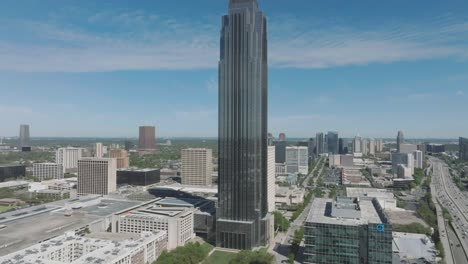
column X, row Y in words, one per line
column 463, row 152
column 280, row 151
column 68, row 157
column 121, row 156
column 418, row 159
column 297, row 160
column 147, row 137
column 271, row 178
column 319, row 143
column 97, row 176
column 24, row 140
column 333, row 144
column 196, row 166
column 400, row 140
column 243, row 221
column 8, row 172
column 47, row 171
column 139, row 177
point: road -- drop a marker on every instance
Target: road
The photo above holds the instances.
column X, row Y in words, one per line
column 451, row 198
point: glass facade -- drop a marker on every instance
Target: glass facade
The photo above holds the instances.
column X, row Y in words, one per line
column 463, row 154
column 332, row 138
column 242, row 123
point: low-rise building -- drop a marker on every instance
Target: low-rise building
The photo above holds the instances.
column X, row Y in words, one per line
column 10, row 172
column 403, row 171
column 139, row 177
column 47, row 171
column 288, row 196
column 385, row 197
column 414, row 248
column 280, row 169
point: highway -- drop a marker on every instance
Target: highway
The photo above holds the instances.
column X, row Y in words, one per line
column 454, row 200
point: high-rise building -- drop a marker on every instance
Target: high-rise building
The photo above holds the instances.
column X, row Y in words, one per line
column 47, row 171
column 68, row 157
column 418, row 159
column 380, row 144
column 364, row 146
column 406, row 159
column 280, row 151
column 197, row 166
column 121, row 157
column 98, row 150
column 372, row 147
column 271, row 178
column 271, row 139
column 297, row 160
column 311, row 146
column 243, row 221
column 357, row 145
column 24, row 140
column 319, row 143
column 97, row 176
column 341, row 146
column 332, row 139
column 400, row 140
column 282, row 137
column 463, row 152
column 147, row 138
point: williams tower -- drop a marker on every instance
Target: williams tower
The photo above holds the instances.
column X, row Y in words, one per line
column 242, row 219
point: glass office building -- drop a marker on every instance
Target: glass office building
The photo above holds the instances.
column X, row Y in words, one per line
column 463, row 153
column 347, row 231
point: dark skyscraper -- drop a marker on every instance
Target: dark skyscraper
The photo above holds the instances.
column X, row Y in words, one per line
column 341, row 146
column 242, row 219
column 332, row 140
column 147, row 137
column 400, row 140
column 319, row 143
column 280, row 152
column 463, row 154
column 24, row 140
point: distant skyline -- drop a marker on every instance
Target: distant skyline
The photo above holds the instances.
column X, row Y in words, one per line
column 102, row 69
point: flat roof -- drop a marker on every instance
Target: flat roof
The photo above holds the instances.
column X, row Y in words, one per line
column 369, row 192
column 413, row 246
column 138, row 170
column 10, row 184
column 321, row 213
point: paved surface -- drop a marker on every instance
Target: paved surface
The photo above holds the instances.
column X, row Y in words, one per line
column 458, row 253
column 450, row 197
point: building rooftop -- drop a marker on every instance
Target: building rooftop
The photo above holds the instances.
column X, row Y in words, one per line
column 10, row 184
column 369, row 192
column 138, row 170
column 10, row 165
column 413, row 246
column 328, row 211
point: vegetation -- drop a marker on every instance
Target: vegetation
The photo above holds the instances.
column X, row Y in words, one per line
column 446, row 214
column 401, row 204
column 220, row 257
column 302, row 206
column 253, row 257
column 412, row 228
column 427, row 210
column 418, row 177
column 333, row 191
column 318, row 193
column 281, row 223
column 27, row 158
column 296, row 242
column 192, row 253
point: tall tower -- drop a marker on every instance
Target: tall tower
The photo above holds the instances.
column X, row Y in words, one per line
column 147, row 138
column 24, row 140
column 319, row 142
column 242, row 219
column 400, row 140
column 332, row 142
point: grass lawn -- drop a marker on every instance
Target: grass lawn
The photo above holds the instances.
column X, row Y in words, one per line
column 219, row 257
column 5, row 208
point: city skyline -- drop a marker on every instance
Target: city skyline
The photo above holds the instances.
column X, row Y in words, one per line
column 414, row 66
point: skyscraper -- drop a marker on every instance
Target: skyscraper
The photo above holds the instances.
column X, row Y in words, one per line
column 282, row 137
column 341, row 146
column 98, row 150
column 97, row 176
column 280, row 151
column 121, row 156
column 319, row 143
column 147, row 138
column 372, row 147
column 24, row 140
column 400, row 140
column 357, row 145
column 242, row 219
column 463, row 153
column 332, row 139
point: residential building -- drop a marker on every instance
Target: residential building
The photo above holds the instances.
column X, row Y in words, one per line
column 98, row 150
column 347, row 230
column 380, row 145
column 407, row 148
column 147, row 138
column 24, row 140
column 8, row 172
column 121, row 156
column 139, row 177
column 418, row 159
column 297, row 160
column 400, row 140
column 97, row 176
column 47, row 171
column 333, row 144
column 463, row 152
column 271, row 178
column 319, row 143
column 93, row 249
column 243, row 221
column 68, row 157
column 196, row 166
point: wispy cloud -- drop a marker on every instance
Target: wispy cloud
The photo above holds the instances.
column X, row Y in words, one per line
column 137, row 40
column 460, row 93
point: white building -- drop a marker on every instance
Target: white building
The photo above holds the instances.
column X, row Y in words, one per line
column 372, row 147
column 408, row 148
column 178, row 222
column 47, row 171
column 357, row 145
column 280, row 169
column 98, row 248
column 406, row 159
column 418, row 159
column 271, row 178
column 364, row 147
column 379, row 145
column 98, row 150
column 97, row 176
column 403, row 171
column 334, row 161
column 196, row 166
column 297, row 160
column 68, row 157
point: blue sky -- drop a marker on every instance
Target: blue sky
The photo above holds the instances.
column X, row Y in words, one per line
column 101, row 68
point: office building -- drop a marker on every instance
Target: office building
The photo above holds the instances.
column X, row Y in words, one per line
column 372, row 147
column 400, row 140
column 173, row 218
column 311, row 146
column 47, row 171
column 24, row 141
column 196, row 166
column 435, row 148
column 403, row 171
column 349, row 231
column 280, row 170
column 271, row 178
column 68, row 157
column 357, row 145
column 121, row 157
column 97, row 176
column 147, row 138
column 243, row 220
column 319, row 143
column 406, row 159
column 407, row 148
column 271, row 139
column 365, row 147
column 297, row 160
column 282, row 137
column 418, row 159
column 463, row 152
column 10, row 172
column 379, row 146
column 104, row 248
column 332, row 139
column 280, row 151
column 139, row 177
column 341, row 146
column 334, row 160
column 98, row 150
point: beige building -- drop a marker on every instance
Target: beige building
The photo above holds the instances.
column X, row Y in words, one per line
column 121, row 155
column 98, row 150
column 47, row 171
column 196, row 166
column 271, row 173
column 97, row 176
column 68, row 157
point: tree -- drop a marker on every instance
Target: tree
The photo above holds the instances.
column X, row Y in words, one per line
column 281, row 223
column 253, row 257
column 192, row 253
